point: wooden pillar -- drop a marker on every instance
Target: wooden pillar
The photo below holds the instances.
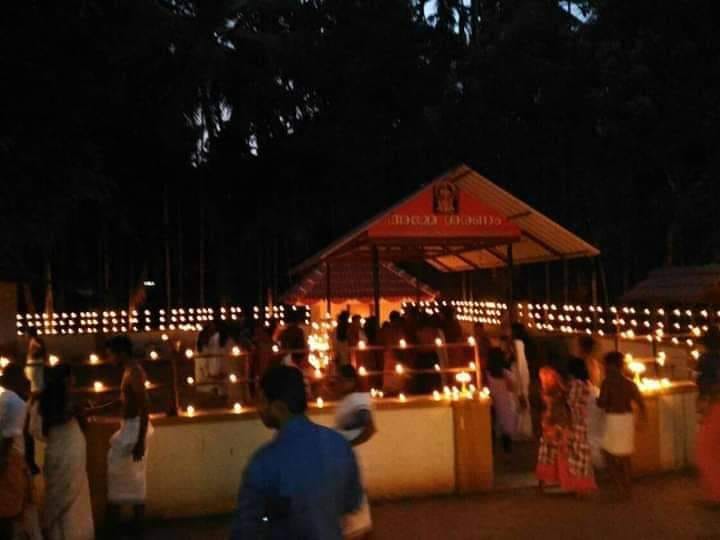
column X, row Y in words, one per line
column 547, row 282
column 593, row 284
column 376, row 281
column 511, row 274
column 328, row 292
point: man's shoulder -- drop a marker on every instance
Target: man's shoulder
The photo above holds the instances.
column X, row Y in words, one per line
column 8, row 397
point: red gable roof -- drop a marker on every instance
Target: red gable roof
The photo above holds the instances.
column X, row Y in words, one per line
column 352, row 280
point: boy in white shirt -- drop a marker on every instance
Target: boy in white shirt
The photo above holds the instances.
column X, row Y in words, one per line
column 14, row 474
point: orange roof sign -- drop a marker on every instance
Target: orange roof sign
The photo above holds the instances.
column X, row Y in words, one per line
column 443, row 210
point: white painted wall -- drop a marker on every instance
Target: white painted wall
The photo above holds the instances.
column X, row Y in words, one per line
column 194, row 468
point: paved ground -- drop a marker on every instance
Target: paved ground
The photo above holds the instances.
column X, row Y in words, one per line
column 662, row 508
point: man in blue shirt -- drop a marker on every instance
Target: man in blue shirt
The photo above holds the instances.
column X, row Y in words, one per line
column 300, row 485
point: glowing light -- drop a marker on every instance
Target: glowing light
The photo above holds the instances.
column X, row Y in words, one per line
column 4, row 362
column 233, row 378
column 362, row 371
column 237, row 408
column 275, row 349
column 154, row 355
column 189, row 353
column 190, row 410
column 147, row 385
column 695, row 354
column 437, row 367
column 438, row 342
column 436, row 395
column 236, row 351
column 362, row 345
column 471, row 341
column 399, row 369
column 53, row 360
column 98, row 386
column 318, row 373
column 471, row 365
column 320, row 403
column 661, row 358
column 402, row 398
column 94, row 359
column 190, row 381
column 402, row 343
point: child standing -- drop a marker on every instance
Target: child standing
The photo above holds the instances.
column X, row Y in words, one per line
column 617, row 395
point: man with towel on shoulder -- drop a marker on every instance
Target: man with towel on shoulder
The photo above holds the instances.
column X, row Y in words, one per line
column 127, row 457
column 617, row 395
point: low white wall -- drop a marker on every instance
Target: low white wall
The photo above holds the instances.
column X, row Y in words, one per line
column 195, row 468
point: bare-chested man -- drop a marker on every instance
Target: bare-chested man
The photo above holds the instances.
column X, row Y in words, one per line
column 618, row 394
column 128, row 446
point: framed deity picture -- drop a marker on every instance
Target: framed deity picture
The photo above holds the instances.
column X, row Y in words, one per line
column 446, row 198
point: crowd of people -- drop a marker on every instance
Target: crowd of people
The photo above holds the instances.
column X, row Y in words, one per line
column 581, row 409
column 46, row 410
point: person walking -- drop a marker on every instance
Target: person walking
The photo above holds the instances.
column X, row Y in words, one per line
column 552, row 466
column 14, row 472
column 302, row 483
column 581, row 478
column 56, row 421
column 618, row 394
column 708, row 438
column 127, row 457
column 354, row 420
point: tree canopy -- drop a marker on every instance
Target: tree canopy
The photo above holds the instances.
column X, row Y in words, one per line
column 232, row 138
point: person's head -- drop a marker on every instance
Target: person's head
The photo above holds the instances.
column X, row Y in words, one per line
column 549, row 379
column 348, row 379
column 55, row 396
column 282, row 395
column 371, row 329
column 614, row 361
column 577, row 369
column 13, row 379
column 120, row 349
column 496, row 363
column 586, row 345
column 395, row 317
column 518, row 331
column 711, row 339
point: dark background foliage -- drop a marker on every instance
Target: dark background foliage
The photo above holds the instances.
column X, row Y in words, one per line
column 233, row 138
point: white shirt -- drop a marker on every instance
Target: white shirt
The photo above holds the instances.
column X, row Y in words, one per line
column 13, row 411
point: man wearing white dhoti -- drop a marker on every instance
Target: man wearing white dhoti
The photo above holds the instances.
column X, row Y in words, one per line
column 354, row 421
column 127, row 457
column 617, row 396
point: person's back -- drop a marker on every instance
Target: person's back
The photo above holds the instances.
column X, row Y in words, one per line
column 302, row 483
column 617, row 393
column 304, row 476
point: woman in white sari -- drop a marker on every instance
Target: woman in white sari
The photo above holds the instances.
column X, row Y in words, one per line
column 67, row 512
column 354, row 421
